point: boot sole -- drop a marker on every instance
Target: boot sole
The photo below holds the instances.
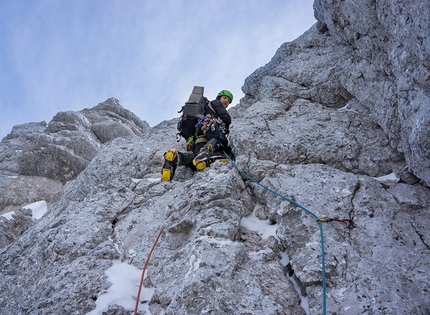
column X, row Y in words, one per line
column 200, row 166
column 165, row 174
column 170, row 156
column 167, row 170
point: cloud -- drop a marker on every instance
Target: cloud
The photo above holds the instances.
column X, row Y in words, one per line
column 62, row 55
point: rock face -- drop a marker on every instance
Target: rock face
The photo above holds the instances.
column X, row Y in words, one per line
column 55, row 153
column 61, row 149
column 317, row 127
column 387, row 68
column 28, row 189
column 11, row 147
column 72, row 139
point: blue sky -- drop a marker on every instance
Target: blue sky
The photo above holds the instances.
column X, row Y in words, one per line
column 59, row 55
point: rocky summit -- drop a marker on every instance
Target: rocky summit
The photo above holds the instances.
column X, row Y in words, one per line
column 331, row 149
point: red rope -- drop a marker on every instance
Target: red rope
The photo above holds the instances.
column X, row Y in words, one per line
column 144, row 269
column 349, row 223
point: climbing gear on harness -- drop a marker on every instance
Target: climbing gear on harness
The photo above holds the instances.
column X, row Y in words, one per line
column 190, row 144
column 171, row 160
column 211, row 123
column 349, row 223
column 210, row 147
column 201, row 139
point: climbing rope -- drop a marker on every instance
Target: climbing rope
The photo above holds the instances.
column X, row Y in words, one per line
column 144, row 268
column 320, row 220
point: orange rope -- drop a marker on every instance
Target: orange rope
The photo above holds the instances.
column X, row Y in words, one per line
column 144, row 269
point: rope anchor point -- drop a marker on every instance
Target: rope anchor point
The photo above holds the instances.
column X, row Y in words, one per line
column 349, row 223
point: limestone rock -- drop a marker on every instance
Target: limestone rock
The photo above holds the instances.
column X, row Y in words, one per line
column 311, row 133
column 319, row 126
column 72, row 139
column 55, row 153
column 388, row 68
column 20, row 138
column 391, row 230
column 28, row 189
column 12, row 229
column 61, row 149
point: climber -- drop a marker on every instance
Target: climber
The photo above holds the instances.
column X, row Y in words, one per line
column 209, row 141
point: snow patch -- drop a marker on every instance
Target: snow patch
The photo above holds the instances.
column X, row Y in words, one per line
column 346, row 108
column 125, row 281
column 149, row 179
column 391, row 176
column 194, row 265
column 8, row 215
column 265, row 229
column 38, row 209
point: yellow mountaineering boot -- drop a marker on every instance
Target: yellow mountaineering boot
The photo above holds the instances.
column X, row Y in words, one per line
column 200, row 166
column 200, row 160
column 170, row 164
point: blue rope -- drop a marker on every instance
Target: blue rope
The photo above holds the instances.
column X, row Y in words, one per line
column 304, row 209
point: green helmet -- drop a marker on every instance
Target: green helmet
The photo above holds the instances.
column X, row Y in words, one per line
column 225, row 93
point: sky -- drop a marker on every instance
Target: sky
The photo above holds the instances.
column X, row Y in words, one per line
column 60, row 55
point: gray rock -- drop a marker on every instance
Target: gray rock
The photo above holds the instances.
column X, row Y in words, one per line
column 63, row 148
column 21, row 191
column 20, row 138
column 55, row 153
column 312, row 133
column 388, row 68
column 318, row 125
column 72, row 139
column 28, row 189
column 11, row 230
column 204, row 260
column 388, row 228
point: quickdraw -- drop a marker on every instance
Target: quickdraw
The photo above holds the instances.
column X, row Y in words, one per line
column 349, row 223
column 210, row 122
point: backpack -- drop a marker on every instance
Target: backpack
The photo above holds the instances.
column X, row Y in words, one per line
column 192, row 111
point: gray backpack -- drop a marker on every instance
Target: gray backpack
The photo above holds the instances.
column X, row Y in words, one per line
column 192, row 111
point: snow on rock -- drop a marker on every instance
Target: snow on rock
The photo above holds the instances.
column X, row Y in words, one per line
column 38, row 209
column 125, row 281
column 8, row 215
column 322, row 124
column 23, row 190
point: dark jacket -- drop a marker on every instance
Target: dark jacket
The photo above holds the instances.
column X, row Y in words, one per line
column 220, row 112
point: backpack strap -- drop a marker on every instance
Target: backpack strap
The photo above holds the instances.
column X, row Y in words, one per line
column 212, row 108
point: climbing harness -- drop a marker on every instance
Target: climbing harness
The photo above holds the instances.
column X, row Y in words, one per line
column 144, row 268
column 318, row 219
